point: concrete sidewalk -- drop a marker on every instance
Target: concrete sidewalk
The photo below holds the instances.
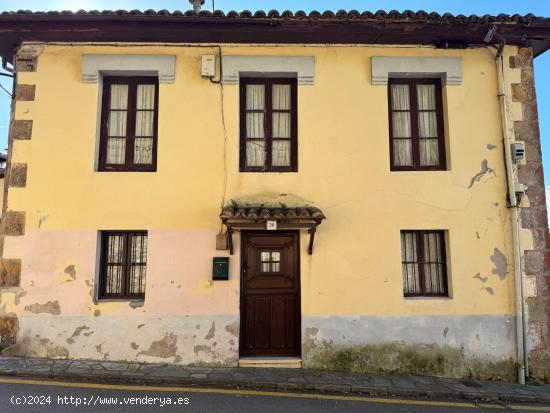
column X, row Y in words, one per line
column 278, row 379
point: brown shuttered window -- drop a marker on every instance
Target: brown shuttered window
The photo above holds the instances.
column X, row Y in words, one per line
column 269, row 129
column 123, row 264
column 129, row 119
column 417, row 140
column 424, row 263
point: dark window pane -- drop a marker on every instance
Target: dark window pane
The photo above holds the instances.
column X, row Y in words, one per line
column 124, row 264
column 416, row 120
column 129, row 124
column 423, row 263
column 268, row 125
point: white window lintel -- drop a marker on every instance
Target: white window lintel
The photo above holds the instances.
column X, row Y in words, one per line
column 449, row 69
column 94, row 65
column 302, row 67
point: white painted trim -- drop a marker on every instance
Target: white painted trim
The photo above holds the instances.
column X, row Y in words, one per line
column 449, row 69
column 301, row 67
column 94, row 65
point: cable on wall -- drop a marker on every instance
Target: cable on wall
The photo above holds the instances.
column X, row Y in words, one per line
column 222, row 111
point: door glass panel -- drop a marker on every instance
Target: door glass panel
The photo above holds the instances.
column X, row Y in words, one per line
column 270, row 261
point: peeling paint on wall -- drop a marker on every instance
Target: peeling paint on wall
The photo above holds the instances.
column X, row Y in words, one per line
column 500, row 263
column 202, row 348
column 136, row 304
column 76, row 333
column 233, row 328
column 480, row 278
column 51, row 307
column 485, row 170
column 211, row 332
column 70, row 271
column 163, row 348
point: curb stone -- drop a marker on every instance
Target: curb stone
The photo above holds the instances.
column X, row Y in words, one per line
column 304, row 380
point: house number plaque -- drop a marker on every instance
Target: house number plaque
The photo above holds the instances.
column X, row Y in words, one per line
column 271, row 225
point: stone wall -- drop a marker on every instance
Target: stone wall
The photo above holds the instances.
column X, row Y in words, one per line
column 534, row 218
column 13, row 222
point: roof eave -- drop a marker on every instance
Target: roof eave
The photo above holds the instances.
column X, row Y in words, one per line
column 18, row 28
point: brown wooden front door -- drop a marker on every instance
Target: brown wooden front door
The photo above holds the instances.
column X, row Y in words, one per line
column 270, row 294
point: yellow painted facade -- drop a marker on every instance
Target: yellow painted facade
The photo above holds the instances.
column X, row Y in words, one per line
column 343, row 168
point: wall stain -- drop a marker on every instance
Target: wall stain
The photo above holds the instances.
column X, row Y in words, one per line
column 485, row 169
column 163, row 348
column 70, row 271
column 134, row 345
column 490, row 146
column 97, row 313
column 98, row 348
column 51, row 307
column 211, row 332
column 445, row 332
column 76, row 333
column 37, row 347
column 9, row 327
column 401, row 358
column 501, row 264
column 140, row 325
column 490, row 290
column 88, row 334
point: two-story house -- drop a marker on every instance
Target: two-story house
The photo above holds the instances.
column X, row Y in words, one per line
column 358, row 191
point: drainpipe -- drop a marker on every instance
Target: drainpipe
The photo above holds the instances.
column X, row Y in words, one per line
column 514, row 205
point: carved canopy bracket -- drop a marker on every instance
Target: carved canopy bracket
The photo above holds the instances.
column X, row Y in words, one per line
column 248, row 218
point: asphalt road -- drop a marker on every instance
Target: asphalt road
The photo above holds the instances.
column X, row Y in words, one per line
column 19, row 396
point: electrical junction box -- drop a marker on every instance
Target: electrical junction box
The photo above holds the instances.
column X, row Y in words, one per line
column 208, row 68
column 518, row 152
column 220, row 269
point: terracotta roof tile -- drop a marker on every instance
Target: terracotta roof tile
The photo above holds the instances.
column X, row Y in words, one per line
column 393, row 15
column 276, row 214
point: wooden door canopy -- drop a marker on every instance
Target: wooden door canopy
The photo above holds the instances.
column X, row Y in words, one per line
column 251, row 217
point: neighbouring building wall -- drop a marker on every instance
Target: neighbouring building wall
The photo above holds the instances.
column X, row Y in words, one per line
column 534, row 217
column 354, row 315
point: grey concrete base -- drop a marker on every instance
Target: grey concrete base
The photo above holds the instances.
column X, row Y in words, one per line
column 459, row 346
column 277, row 379
column 183, row 340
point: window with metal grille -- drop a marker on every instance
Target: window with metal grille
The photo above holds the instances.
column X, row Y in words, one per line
column 129, row 119
column 424, row 263
column 417, row 140
column 123, row 264
column 268, row 125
